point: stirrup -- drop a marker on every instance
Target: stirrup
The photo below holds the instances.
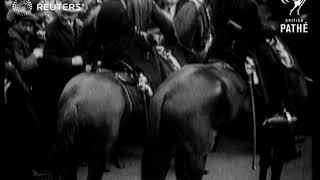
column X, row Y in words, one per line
column 286, row 119
column 291, row 119
column 144, row 86
column 276, row 120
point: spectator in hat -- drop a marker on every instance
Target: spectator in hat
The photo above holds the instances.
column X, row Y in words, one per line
column 64, row 58
column 25, row 55
column 62, row 53
column 22, row 50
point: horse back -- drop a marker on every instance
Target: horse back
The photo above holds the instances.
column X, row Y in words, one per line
column 92, row 101
column 202, row 90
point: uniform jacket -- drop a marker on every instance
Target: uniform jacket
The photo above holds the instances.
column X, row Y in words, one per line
column 118, row 20
column 142, row 12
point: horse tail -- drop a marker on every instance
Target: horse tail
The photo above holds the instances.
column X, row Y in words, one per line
column 155, row 111
column 150, row 162
column 64, row 137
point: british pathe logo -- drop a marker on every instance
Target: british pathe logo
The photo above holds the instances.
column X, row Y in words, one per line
column 297, row 5
column 298, row 24
column 22, row 7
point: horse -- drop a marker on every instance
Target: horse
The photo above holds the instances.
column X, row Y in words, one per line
column 187, row 112
column 96, row 110
column 192, row 105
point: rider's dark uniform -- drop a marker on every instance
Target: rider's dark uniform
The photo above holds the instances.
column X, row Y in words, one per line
column 240, row 34
column 119, row 21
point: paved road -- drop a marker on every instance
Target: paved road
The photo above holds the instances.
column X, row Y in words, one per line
column 231, row 161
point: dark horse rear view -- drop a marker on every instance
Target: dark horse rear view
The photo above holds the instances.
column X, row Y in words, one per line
column 187, row 112
column 189, row 108
column 98, row 109
column 88, row 124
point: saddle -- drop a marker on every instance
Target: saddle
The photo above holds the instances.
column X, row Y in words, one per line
column 122, row 71
column 133, row 82
column 125, row 73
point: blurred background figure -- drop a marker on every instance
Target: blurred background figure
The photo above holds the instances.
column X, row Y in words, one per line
column 48, row 16
column 63, row 58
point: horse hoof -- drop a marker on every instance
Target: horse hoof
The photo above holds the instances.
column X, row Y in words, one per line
column 120, row 164
column 107, row 169
column 83, row 164
column 294, row 155
column 300, row 140
column 36, row 173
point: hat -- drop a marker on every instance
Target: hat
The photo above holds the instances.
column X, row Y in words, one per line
column 28, row 17
column 35, row 20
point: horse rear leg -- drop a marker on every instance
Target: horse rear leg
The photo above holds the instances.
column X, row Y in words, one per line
column 265, row 162
column 97, row 161
column 113, row 156
column 216, row 143
column 116, row 153
column 264, row 166
column 185, row 170
column 276, row 169
column 72, row 172
column 189, row 165
column 108, row 158
column 155, row 164
column 179, row 163
column 69, row 172
column 277, row 163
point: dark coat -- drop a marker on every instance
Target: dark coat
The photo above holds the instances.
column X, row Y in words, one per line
column 62, row 44
column 117, row 20
column 20, row 53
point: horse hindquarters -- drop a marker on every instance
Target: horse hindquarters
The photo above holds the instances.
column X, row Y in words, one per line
column 183, row 115
column 90, row 110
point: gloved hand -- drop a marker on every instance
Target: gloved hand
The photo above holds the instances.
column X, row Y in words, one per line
column 88, row 68
column 41, row 34
column 38, row 52
column 77, row 61
column 148, row 38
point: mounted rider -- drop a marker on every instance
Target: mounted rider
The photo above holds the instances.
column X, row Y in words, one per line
column 122, row 26
column 202, row 32
column 244, row 42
